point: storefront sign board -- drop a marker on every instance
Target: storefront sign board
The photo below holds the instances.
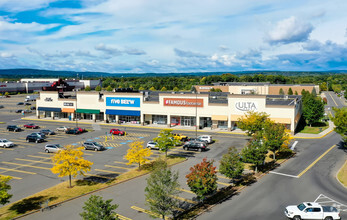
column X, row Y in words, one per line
column 184, row 102
column 123, row 102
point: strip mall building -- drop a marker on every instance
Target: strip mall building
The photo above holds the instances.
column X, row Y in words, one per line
column 168, row 109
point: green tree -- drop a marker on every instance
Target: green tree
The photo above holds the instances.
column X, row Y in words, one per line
column 161, row 191
column 296, row 93
column 141, row 88
column 98, row 88
column 176, row 89
column 340, row 121
column 212, row 90
column 95, row 208
column 314, row 92
column 230, row 164
column 166, row 141
column 4, row 187
column 202, row 179
column 290, row 91
column 312, row 109
column 323, row 86
column 252, row 122
column 275, row 137
column 281, row 91
column 87, row 88
column 255, row 153
column 152, row 88
column 109, row 89
column 163, row 88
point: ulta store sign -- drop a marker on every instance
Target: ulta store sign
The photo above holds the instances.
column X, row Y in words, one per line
column 246, row 106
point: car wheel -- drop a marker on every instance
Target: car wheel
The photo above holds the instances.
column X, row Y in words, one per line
column 36, row 141
column 85, row 148
column 28, row 140
column 296, row 217
column 47, row 151
column 95, row 149
column 328, row 218
column 200, row 149
column 119, row 134
column 185, row 148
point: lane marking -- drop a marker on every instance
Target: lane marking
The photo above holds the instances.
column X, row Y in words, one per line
column 121, row 162
column 294, row 144
column 108, row 171
column 224, row 184
column 314, row 162
column 34, row 156
column 185, row 200
column 34, row 161
column 121, row 217
column 25, row 165
column 185, row 190
column 18, row 171
column 117, row 167
column 223, row 177
column 283, row 174
column 148, row 212
column 333, row 99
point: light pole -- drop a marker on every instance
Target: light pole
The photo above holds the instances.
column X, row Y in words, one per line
column 76, row 109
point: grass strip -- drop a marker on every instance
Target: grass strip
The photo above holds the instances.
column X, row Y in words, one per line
column 342, row 175
column 60, row 192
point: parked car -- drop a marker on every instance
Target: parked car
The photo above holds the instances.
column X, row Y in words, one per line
column 81, row 130
column 34, row 138
column 180, row 137
column 53, row 148
column 5, row 143
column 32, row 108
column 311, row 210
column 62, row 128
column 72, row 131
column 18, row 111
column 206, row 138
column 47, row 132
column 1, row 106
column 32, row 126
column 195, row 145
column 27, row 103
column 27, row 111
column 195, row 140
column 20, row 103
column 14, row 128
column 39, row 134
column 92, row 145
column 152, row 145
column 116, row 131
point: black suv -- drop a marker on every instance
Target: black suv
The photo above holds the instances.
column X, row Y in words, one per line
column 14, row 128
column 200, row 146
column 34, row 138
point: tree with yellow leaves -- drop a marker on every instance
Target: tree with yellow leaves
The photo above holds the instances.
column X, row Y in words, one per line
column 137, row 154
column 4, row 187
column 252, row 122
column 70, row 162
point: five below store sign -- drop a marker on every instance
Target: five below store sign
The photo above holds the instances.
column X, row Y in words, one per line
column 184, row 102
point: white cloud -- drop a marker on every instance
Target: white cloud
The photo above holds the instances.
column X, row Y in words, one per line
column 23, row 5
column 289, row 30
column 10, row 25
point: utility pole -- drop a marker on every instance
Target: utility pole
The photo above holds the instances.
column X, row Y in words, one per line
column 76, row 108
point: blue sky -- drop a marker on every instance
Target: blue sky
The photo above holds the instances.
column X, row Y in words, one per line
column 139, row 36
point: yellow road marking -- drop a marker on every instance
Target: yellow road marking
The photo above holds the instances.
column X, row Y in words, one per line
column 18, row 171
column 185, row 200
column 185, row 190
column 223, row 177
column 24, row 165
column 224, row 184
column 314, row 162
column 332, row 99
column 96, row 175
column 123, row 217
column 120, row 162
column 108, row 171
column 118, row 167
column 147, row 211
column 34, row 156
column 34, row 161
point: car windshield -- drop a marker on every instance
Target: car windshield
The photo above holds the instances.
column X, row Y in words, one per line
column 97, row 144
column 58, row 146
column 301, row 207
column 4, row 140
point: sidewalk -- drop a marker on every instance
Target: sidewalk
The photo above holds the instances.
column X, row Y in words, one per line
column 181, row 128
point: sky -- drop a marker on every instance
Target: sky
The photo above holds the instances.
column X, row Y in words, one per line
column 160, row 36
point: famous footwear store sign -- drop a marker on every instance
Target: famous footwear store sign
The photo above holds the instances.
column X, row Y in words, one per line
column 123, row 102
column 184, row 102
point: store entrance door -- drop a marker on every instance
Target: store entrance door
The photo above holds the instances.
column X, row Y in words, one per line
column 187, row 122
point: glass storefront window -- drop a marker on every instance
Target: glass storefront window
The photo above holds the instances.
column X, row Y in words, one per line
column 159, row 119
column 129, row 119
column 187, row 121
column 223, row 124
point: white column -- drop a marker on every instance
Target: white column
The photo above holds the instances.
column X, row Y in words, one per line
column 117, row 119
column 37, row 114
column 197, row 121
column 229, row 124
column 169, row 120
column 94, row 117
column 141, row 119
column 105, row 116
column 52, row 115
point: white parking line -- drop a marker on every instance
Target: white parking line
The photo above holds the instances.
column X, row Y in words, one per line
column 324, row 199
column 283, row 174
column 294, row 144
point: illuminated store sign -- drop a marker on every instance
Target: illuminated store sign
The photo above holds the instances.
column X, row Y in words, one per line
column 184, row 102
column 123, row 102
column 246, row 106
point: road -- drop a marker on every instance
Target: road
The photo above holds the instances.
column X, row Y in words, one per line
column 333, row 102
column 268, row 198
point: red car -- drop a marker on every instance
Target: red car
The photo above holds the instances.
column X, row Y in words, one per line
column 32, row 126
column 81, row 130
column 117, row 132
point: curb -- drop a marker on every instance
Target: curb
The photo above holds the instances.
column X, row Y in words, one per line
column 338, row 173
column 88, row 193
column 314, row 137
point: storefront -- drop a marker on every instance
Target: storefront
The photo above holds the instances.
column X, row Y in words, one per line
column 159, row 119
column 124, row 116
column 89, row 114
column 49, row 112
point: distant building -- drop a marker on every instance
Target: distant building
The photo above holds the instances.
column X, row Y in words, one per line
column 35, row 85
column 259, row 88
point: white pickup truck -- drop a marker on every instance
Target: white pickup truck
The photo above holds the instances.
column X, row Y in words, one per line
column 312, row 210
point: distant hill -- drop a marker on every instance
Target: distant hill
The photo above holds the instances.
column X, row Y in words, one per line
column 36, row 73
